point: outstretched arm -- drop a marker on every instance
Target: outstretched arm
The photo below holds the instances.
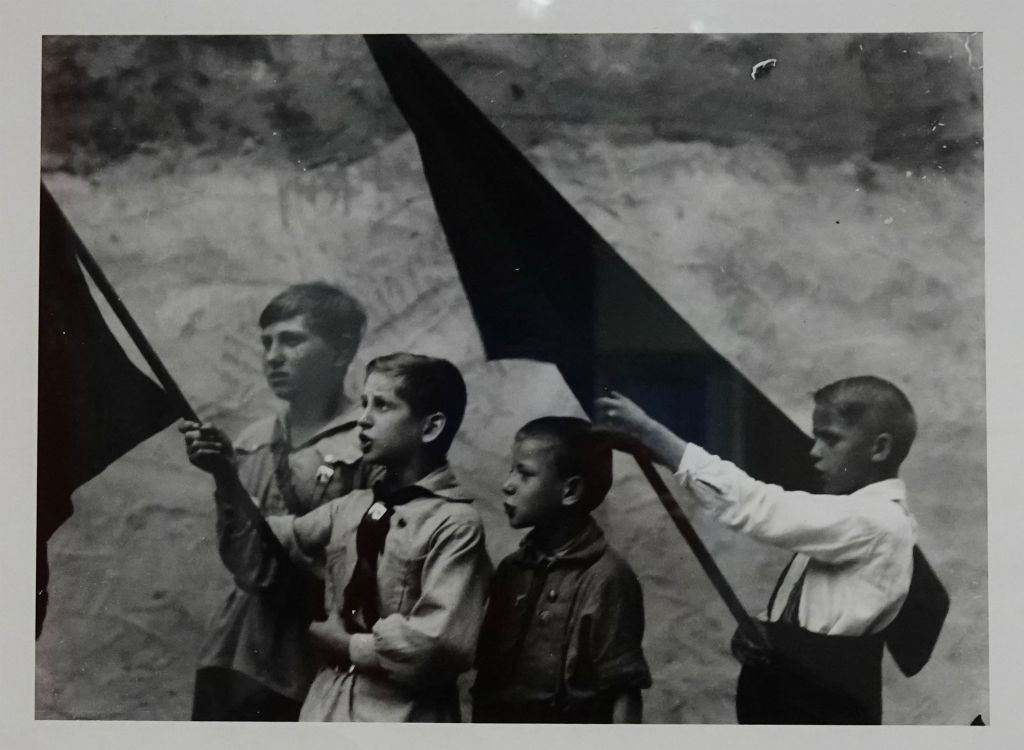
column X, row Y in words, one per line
column 829, row 528
column 617, row 412
column 242, row 536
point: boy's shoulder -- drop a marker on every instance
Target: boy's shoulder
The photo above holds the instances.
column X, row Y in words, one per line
column 338, row 438
column 612, row 570
column 454, row 512
column 452, row 501
column 256, row 434
column 882, row 507
column 606, row 569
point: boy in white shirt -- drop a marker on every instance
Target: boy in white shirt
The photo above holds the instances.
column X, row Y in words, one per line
column 853, row 548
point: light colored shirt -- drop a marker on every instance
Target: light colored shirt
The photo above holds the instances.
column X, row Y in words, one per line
column 857, row 549
column 432, row 576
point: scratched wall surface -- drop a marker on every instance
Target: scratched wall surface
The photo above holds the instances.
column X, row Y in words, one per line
column 851, row 241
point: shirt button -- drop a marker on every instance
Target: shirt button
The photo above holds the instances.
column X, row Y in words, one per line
column 552, row 595
column 544, row 617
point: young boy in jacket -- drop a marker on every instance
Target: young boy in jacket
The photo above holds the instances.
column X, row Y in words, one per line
column 561, row 641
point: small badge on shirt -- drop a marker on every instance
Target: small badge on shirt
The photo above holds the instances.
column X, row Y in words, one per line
column 326, row 470
column 377, row 511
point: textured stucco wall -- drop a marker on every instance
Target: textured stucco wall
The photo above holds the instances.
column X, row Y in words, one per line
column 798, row 276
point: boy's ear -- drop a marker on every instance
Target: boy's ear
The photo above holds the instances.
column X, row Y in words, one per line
column 572, row 491
column 882, row 448
column 433, row 426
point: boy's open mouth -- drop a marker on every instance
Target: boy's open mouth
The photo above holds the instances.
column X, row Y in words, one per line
column 509, row 511
column 365, row 442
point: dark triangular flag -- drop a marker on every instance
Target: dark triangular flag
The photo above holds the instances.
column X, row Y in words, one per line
column 544, row 285
column 94, row 403
column 912, row 636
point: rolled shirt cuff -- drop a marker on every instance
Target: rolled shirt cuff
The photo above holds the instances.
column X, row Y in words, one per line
column 362, row 651
column 694, row 458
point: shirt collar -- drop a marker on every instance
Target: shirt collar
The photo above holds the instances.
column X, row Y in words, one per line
column 887, row 489
column 442, row 483
column 585, row 547
column 346, row 420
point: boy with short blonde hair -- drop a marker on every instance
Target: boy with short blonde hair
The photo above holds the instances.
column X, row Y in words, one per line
column 853, row 550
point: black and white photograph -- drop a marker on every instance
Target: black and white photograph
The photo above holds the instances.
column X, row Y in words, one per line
column 753, row 247
column 505, row 377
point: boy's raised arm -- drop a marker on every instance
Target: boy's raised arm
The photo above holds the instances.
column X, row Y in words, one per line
column 830, row 528
column 243, row 549
column 617, row 412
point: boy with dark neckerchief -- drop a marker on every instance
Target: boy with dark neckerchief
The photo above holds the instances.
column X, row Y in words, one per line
column 406, row 566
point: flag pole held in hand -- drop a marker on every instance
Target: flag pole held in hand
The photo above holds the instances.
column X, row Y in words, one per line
column 642, row 455
column 237, row 492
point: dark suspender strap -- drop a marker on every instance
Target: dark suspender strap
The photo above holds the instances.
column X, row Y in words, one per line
column 778, row 585
column 791, row 612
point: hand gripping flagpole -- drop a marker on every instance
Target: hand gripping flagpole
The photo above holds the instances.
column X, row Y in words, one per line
column 714, row 574
column 642, row 456
column 237, row 491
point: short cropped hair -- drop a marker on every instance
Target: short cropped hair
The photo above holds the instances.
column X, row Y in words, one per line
column 578, row 451
column 866, row 397
column 428, row 385
column 330, row 313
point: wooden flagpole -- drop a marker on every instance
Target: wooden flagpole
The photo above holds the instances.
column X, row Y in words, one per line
column 683, row 525
column 238, row 493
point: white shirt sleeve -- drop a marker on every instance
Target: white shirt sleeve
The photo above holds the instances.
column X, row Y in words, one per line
column 829, row 528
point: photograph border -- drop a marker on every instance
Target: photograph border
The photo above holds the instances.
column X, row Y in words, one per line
column 21, row 33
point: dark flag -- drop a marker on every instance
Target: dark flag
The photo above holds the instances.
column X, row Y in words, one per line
column 544, row 285
column 94, row 403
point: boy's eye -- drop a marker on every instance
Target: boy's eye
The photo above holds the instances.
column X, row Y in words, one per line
column 380, row 404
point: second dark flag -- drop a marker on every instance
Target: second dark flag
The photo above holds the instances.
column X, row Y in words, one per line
column 544, row 285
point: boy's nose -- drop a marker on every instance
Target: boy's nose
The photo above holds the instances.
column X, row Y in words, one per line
column 273, row 354
column 364, row 419
column 508, row 489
